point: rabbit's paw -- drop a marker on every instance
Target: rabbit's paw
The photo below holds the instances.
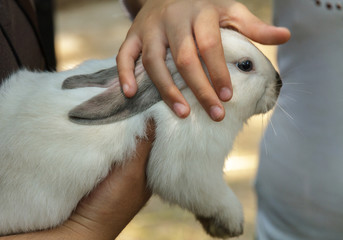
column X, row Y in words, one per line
column 216, row 228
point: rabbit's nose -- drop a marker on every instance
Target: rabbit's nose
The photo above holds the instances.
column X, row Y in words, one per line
column 278, row 82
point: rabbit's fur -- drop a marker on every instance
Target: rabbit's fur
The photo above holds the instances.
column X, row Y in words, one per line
column 49, row 160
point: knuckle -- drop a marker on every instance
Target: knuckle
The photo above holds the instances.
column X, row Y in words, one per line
column 204, row 96
column 184, row 60
column 171, row 92
column 148, row 58
column 235, row 20
column 166, row 89
column 208, row 43
column 237, row 12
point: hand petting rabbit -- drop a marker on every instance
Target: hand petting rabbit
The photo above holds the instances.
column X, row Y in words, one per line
column 62, row 132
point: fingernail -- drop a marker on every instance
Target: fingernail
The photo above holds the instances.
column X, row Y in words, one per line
column 225, row 94
column 125, row 88
column 180, row 109
column 216, row 112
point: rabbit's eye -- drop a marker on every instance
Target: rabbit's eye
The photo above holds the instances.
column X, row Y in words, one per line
column 245, row 66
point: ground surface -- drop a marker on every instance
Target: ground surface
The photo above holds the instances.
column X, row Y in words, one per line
column 89, row 29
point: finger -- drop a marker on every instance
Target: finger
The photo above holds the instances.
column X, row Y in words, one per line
column 153, row 57
column 208, row 38
column 145, row 144
column 240, row 18
column 186, row 58
column 126, row 58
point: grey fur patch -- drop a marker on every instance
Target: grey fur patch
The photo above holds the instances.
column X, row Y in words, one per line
column 112, row 105
column 102, row 78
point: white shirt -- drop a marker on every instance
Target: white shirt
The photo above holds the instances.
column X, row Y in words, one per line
column 300, row 178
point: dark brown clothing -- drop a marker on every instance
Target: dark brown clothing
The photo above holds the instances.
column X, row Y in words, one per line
column 21, row 44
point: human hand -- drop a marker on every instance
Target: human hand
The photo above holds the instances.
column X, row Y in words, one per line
column 184, row 25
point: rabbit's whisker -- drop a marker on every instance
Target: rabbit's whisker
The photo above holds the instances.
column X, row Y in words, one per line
column 290, row 98
column 272, row 125
column 292, row 83
column 282, row 109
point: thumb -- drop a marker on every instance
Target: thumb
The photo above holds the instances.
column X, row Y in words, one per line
column 240, row 18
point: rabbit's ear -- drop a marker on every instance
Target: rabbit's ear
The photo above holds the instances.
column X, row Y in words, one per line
column 103, row 78
column 112, row 105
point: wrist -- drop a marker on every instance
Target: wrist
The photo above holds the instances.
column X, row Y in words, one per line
column 79, row 227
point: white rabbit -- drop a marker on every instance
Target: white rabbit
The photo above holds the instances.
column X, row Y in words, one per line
column 56, row 144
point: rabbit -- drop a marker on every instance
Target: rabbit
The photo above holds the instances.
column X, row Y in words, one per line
column 61, row 132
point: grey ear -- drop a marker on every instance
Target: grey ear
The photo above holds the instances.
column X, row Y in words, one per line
column 103, row 78
column 112, row 105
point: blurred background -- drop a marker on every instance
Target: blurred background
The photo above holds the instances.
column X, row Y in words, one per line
column 95, row 29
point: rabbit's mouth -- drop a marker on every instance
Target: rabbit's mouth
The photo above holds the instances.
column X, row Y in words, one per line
column 278, row 84
column 269, row 96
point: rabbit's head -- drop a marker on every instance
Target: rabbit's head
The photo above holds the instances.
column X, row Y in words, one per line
column 256, row 85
